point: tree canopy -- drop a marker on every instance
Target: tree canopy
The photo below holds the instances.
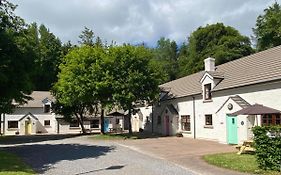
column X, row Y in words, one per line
column 15, row 60
column 221, row 42
column 268, row 28
column 166, row 57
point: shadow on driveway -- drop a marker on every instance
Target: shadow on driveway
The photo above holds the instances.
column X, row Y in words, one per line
column 11, row 140
column 42, row 157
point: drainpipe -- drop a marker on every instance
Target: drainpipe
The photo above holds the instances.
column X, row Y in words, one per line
column 152, row 118
column 4, row 122
column 194, row 122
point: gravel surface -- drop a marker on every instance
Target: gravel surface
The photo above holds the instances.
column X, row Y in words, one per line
column 81, row 156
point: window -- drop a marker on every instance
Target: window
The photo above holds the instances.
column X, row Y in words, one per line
column 271, row 119
column 47, row 108
column 159, row 120
column 47, row 123
column 208, row 120
column 117, row 121
column 207, row 92
column 12, row 124
column 185, row 123
column 95, row 124
column 74, row 124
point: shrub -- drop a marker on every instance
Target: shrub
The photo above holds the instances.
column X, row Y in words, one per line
column 268, row 147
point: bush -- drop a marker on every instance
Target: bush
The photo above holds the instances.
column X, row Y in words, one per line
column 268, row 147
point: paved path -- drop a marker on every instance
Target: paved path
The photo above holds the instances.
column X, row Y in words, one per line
column 81, row 156
column 183, row 151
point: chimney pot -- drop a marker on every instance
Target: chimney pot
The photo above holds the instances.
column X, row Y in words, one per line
column 209, row 64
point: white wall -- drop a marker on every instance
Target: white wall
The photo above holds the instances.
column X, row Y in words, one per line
column 267, row 94
column 36, row 125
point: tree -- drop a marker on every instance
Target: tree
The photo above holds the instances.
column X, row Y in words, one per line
column 133, row 80
column 79, row 87
column 221, row 42
column 87, row 37
column 166, row 55
column 268, row 28
column 15, row 60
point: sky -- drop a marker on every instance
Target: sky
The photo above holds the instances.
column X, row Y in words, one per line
column 138, row 21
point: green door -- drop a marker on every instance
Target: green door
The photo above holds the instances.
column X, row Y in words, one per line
column 232, row 137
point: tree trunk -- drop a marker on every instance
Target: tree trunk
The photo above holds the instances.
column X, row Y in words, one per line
column 130, row 123
column 102, row 121
column 81, row 123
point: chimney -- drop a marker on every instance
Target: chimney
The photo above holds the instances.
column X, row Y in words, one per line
column 209, row 64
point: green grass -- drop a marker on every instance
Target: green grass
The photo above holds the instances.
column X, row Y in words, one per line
column 123, row 136
column 113, row 137
column 243, row 163
column 11, row 164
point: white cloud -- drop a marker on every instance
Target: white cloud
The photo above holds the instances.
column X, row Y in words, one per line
column 136, row 21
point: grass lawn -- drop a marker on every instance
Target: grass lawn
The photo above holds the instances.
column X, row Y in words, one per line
column 11, row 164
column 243, row 163
column 122, row 136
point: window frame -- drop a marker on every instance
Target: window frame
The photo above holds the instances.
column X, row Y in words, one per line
column 158, row 120
column 48, row 123
column 47, row 109
column 9, row 123
column 208, row 91
column 74, row 124
column 97, row 124
column 270, row 119
column 208, row 120
column 185, row 122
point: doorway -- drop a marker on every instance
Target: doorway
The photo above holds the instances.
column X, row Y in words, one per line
column 232, row 136
column 167, row 124
column 28, row 127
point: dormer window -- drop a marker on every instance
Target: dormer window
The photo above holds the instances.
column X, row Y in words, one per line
column 47, row 108
column 207, row 92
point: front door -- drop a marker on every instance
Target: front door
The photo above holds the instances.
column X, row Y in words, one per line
column 106, row 125
column 167, row 122
column 27, row 127
column 232, row 137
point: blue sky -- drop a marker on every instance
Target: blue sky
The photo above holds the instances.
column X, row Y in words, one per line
column 136, row 21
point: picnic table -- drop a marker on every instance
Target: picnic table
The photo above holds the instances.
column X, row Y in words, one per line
column 246, row 147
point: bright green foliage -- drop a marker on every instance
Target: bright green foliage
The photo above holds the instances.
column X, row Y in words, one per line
column 78, row 88
column 15, row 61
column 244, row 163
column 268, row 28
column 218, row 41
column 268, row 150
column 165, row 57
column 133, row 78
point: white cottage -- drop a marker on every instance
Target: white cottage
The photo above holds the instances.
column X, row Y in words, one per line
column 34, row 117
column 201, row 105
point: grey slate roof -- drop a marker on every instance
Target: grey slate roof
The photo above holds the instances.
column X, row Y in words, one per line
column 240, row 101
column 257, row 68
column 38, row 97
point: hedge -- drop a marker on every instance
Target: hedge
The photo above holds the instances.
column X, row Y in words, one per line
column 267, row 141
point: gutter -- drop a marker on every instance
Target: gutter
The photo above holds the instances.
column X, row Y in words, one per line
column 194, row 122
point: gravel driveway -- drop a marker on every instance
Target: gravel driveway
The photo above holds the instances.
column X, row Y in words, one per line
column 81, row 156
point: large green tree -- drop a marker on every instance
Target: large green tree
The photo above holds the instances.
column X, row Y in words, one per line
column 221, row 42
column 48, row 56
column 80, row 87
column 166, row 57
column 133, row 78
column 16, row 60
column 268, row 28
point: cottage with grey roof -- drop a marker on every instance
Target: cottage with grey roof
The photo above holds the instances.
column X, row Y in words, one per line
column 206, row 101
